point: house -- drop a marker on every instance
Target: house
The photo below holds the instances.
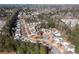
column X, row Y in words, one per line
column 70, row 22
column 69, row 47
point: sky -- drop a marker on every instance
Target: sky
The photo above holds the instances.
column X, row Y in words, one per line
column 39, row 1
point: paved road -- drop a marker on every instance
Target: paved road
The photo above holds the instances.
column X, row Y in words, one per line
column 54, row 50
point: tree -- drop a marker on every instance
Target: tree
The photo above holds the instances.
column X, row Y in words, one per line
column 74, row 38
column 42, row 49
column 50, row 24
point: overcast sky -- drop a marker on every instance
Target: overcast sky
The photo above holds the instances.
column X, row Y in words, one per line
column 39, row 1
